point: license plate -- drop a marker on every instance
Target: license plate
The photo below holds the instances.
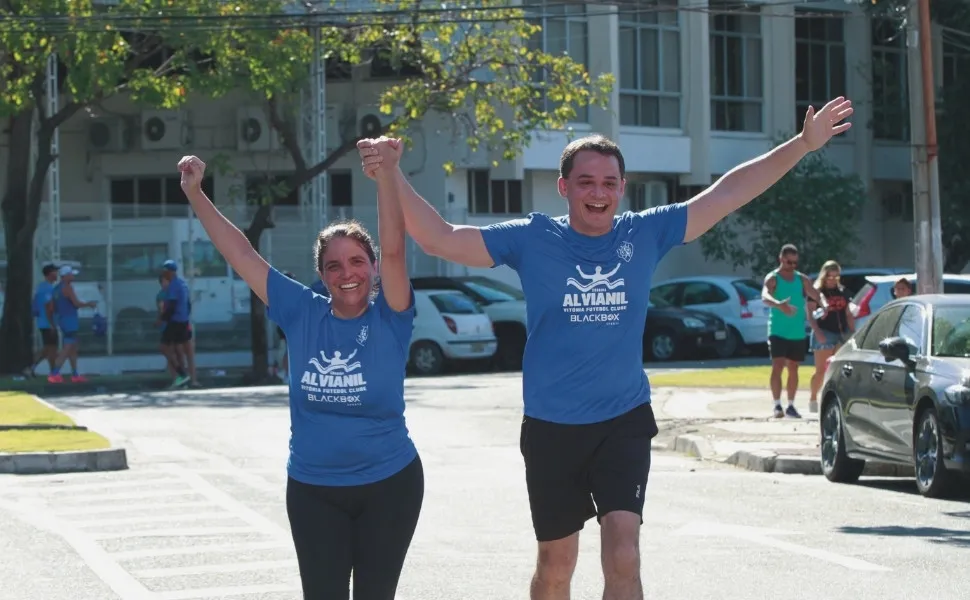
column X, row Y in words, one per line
column 478, row 347
column 720, row 335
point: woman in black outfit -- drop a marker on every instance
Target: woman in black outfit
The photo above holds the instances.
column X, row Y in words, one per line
column 833, row 327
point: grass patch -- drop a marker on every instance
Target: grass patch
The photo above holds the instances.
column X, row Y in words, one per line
column 51, row 440
column 18, row 408
column 729, row 377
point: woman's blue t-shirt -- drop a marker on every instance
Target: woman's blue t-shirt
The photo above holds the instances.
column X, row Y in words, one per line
column 346, row 383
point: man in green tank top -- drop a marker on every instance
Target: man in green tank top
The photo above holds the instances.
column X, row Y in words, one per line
column 784, row 292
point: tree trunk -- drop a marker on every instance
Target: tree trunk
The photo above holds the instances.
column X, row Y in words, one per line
column 20, row 208
column 257, row 310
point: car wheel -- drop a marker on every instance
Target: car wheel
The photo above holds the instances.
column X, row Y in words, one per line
column 932, row 477
column 662, row 345
column 729, row 347
column 427, row 358
column 836, row 464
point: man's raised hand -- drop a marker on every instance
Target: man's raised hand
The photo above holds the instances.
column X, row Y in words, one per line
column 379, row 153
column 830, row 120
column 193, row 170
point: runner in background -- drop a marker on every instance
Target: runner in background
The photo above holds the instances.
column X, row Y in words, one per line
column 43, row 311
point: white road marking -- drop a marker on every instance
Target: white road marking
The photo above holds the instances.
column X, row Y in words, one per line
column 54, row 489
column 154, row 518
column 107, row 569
column 141, row 508
column 225, row 568
column 86, row 499
column 170, row 532
column 224, row 592
column 213, row 548
column 765, row 537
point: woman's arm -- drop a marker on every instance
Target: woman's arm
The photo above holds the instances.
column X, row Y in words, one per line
column 226, row 237
column 390, row 231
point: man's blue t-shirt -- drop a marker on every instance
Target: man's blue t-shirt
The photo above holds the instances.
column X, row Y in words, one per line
column 178, row 295
column 347, row 423
column 586, row 307
column 65, row 311
column 43, row 295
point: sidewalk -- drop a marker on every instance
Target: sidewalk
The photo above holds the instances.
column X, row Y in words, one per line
column 737, row 427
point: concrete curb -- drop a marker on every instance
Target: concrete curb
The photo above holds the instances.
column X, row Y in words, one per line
column 112, row 459
column 692, row 445
column 767, row 461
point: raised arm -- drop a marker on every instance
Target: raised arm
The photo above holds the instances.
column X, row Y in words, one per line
column 461, row 244
column 749, row 180
column 768, row 292
column 225, row 236
column 390, row 232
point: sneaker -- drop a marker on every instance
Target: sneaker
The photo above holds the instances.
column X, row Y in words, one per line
column 813, row 406
column 791, row 412
column 78, row 379
column 55, row 379
column 779, row 413
column 180, row 381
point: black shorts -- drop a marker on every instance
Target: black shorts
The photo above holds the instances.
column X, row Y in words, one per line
column 176, row 333
column 779, row 347
column 49, row 336
column 576, row 472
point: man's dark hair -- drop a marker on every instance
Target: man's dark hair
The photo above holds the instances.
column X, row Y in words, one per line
column 788, row 249
column 48, row 269
column 593, row 143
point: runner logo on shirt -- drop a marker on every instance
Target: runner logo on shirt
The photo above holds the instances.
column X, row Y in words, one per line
column 334, row 379
column 600, row 298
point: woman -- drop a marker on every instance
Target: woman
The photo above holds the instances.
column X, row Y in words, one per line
column 355, row 481
column 833, row 327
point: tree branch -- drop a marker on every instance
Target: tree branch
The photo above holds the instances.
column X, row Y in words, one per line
column 288, row 134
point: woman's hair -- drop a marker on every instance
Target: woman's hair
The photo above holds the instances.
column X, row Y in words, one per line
column 347, row 228
column 829, row 266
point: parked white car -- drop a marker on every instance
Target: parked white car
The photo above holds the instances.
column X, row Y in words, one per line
column 736, row 300
column 448, row 326
column 878, row 291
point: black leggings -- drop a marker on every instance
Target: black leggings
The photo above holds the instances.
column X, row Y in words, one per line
column 363, row 529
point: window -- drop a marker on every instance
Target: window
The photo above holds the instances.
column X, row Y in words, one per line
column 737, row 77
column 206, row 260
column 488, row 196
column 699, row 292
column 151, row 196
column 340, row 190
column 890, row 105
column 911, row 326
column 747, row 289
column 882, row 326
column 951, row 331
column 956, row 60
column 93, row 261
column 137, row 261
column 897, row 200
column 646, row 194
column 819, row 61
column 455, row 304
column 665, row 295
column 650, row 64
column 564, row 31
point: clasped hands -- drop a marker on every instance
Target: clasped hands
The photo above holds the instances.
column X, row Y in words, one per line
column 379, row 155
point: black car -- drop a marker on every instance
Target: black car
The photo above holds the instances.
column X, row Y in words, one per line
column 672, row 332
column 899, row 392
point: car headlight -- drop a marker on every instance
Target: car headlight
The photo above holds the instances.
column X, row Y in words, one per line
column 692, row 323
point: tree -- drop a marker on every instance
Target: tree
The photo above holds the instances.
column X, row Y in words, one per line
column 815, row 206
column 472, row 63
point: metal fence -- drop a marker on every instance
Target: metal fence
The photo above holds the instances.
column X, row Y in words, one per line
column 119, row 250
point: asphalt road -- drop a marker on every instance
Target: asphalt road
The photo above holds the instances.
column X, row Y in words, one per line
column 200, row 514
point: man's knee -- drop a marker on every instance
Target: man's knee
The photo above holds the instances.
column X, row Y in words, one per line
column 557, row 560
column 621, row 545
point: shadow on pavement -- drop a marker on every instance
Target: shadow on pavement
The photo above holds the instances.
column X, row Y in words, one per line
column 936, row 535
column 906, row 485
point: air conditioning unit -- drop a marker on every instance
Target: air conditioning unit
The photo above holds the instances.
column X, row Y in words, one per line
column 162, row 129
column 254, row 132
column 107, row 134
column 370, row 120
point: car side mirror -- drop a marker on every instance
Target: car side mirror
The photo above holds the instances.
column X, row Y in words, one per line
column 895, row 348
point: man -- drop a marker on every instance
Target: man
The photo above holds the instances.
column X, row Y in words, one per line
column 784, row 291
column 66, row 304
column 177, row 334
column 902, row 288
column 43, row 309
column 587, row 427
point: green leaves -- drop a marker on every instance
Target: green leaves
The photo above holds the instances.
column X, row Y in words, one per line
column 816, row 207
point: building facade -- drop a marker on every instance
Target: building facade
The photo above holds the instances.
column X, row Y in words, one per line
column 700, row 88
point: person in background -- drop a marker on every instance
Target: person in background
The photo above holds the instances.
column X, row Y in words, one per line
column 902, row 288
column 43, row 311
column 831, row 326
column 66, row 304
column 176, row 334
column 160, row 301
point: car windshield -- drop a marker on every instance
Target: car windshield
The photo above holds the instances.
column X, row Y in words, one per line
column 455, row 304
column 748, row 288
column 493, row 291
column 951, row 331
